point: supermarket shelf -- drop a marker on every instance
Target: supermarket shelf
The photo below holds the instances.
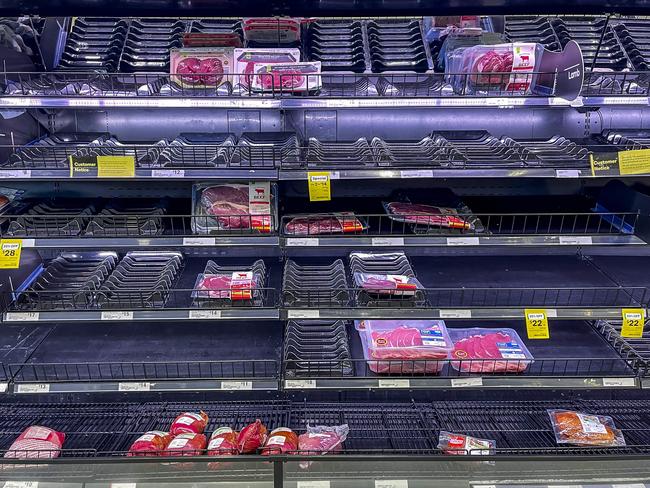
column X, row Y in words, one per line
column 154, row 241
column 143, row 315
column 146, row 174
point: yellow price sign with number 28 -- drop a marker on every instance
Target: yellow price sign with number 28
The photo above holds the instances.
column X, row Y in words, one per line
column 10, row 253
column 633, row 322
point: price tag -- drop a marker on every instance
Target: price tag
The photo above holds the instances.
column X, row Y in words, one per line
column 303, row 242
column 387, row 241
column 205, row 314
column 576, row 240
column 567, row 173
column 391, row 484
column 29, row 243
column 466, row 382
column 16, row 173
column 418, row 173
column 168, row 173
column 313, row 484
column 303, row 314
column 319, row 186
column 463, row 241
column 299, row 384
column 123, row 485
column 21, row 484
column 455, row 314
column 137, row 386
column 33, row 388
column 199, row 241
column 619, row 382
column 10, row 253
column 117, row 315
column 3, row 387
column 633, row 322
column 536, row 323
column 21, row 316
column 394, row 383
column 236, row 385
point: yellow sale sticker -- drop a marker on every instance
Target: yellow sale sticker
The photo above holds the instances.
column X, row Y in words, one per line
column 536, row 323
column 633, row 322
column 319, row 186
column 10, row 253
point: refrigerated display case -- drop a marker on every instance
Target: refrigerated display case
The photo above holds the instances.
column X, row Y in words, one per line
column 410, row 256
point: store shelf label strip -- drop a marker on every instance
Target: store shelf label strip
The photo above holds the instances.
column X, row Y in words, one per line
column 455, row 314
column 391, row 484
column 387, row 241
column 299, row 384
column 116, row 315
column 236, row 385
column 134, row 386
column 394, row 383
column 21, row 316
column 33, row 388
column 204, row 314
column 466, row 382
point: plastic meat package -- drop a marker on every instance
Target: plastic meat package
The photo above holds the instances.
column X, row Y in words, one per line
column 223, row 442
column 322, row 439
column 189, row 423
column 488, row 68
column 463, row 445
column 36, row 442
column 332, row 223
column 201, row 67
column 152, row 443
column 385, row 284
column 408, row 346
column 188, row 444
column 233, row 206
column 235, row 286
column 585, row 429
column 418, row 214
column 489, row 351
column 246, row 60
column 272, row 30
column 280, row 441
column 287, row 77
column 251, row 437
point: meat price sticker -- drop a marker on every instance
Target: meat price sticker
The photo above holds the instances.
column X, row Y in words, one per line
column 319, row 186
column 536, row 323
column 633, row 322
column 10, row 253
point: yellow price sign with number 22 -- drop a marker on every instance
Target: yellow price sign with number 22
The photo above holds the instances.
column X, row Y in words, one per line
column 10, row 253
column 536, row 323
column 633, row 322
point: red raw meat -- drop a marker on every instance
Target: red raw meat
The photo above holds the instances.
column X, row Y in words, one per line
column 427, row 215
column 36, row 442
column 492, row 62
column 321, row 439
column 218, row 286
column 313, row 225
column 223, row 442
column 230, row 204
column 381, row 284
column 152, row 443
column 404, row 345
column 189, row 423
column 208, row 71
column 251, row 437
column 483, row 355
column 286, row 79
column 188, row 444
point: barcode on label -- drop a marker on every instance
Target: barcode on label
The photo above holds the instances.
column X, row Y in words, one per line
column 466, row 382
column 463, row 241
column 168, row 173
column 236, row 385
column 303, row 314
column 299, row 384
column 303, row 242
column 199, row 241
column 137, row 386
column 204, row 314
column 619, row 382
column 455, row 314
column 114, row 315
column 394, row 383
column 33, row 388
column 21, row 316
column 391, row 484
column 387, row 241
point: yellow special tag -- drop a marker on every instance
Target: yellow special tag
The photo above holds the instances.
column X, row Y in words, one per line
column 319, row 186
column 634, row 162
column 633, row 322
column 10, row 253
column 115, row 166
column 536, row 323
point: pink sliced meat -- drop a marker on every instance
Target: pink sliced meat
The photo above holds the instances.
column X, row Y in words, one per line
column 481, row 354
column 218, row 286
column 405, row 346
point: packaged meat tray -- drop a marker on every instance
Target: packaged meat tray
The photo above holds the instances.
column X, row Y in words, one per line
column 322, row 439
column 223, row 442
column 247, row 59
column 387, row 284
column 234, row 207
column 426, row 217
column 188, row 444
column 207, row 67
column 280, row 441
column 287, row 77
column 407, row 346
column 36, row 442
column 189, row 423
column 585, row 429
column 229, row 285
column 152, row 443
column 326, row 223
column 489, row 351
column 252, row 437
column 463, row 445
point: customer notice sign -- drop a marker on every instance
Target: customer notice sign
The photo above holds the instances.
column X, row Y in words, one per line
column 102, row 166
column 633, row 162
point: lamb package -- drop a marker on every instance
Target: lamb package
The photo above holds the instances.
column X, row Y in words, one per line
column 489, row 351
column 407, row 346
column 585, row 429
column 207, row 67
column 233, row 207
column 519, row 68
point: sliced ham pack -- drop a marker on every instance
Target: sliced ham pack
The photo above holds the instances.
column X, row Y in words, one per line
column 189, row 423
column 36, row 442
column 152, row 443
column 489, row 351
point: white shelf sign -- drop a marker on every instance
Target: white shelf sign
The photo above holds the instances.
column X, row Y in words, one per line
column 416, row 173
column 204, row 314
column 134, row 386
column 21, row 484
column 16, row 173
column 455, row 314
column 313, row 484
column 33, row 388
column 22, row 316
column 576, row 240
column 236, row 385
column 394, row 383
column 303, row 242
column 466, row 382
column 123, row 485
column 619, row 382
column 117, row 315
column 387, row 241
column 299, row 384
column 168, row 173
column 303, row 314
column 391, row 484
column 199, row 241
column 463, row 241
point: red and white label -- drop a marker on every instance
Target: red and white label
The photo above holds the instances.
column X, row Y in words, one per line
column 241, row 284
column 523, row 65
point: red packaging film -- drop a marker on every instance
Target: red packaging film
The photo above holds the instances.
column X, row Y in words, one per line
column 223, row 442
column 280, row 441
column 189, row 423
column 36, row 442
column 321, row 439
column 187, row 445
column 152, row 443
column 251, row 437
column 463, row 445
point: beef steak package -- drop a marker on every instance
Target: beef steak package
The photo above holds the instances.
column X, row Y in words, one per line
column 405, row 346
column 152, row 443
column 287, row 77
column 201, row 67
column 36, row 442
column 463, row 445
column 326, row 223
column 585, row 429
column 247, row 59
column 423, row 216
column 228, row 207
column 189, row 423
column 387, row 284
column 489, row 351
